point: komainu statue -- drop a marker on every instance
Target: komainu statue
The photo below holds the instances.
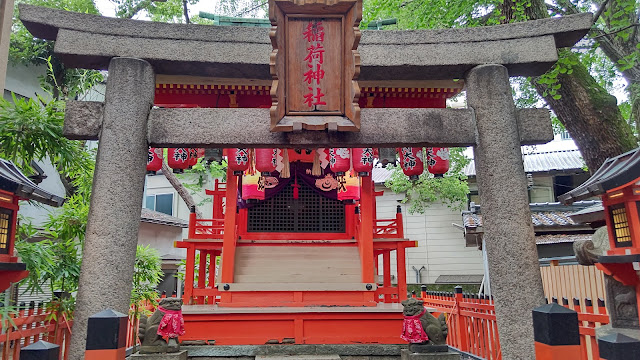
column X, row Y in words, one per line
column 167, row 322
column 422, row 328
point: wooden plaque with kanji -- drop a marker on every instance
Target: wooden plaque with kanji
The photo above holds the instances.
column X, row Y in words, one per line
column 314, row 65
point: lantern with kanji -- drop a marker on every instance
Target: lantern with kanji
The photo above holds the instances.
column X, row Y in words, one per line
column 193, row 156
column 154, row 160
column 252, row 187
column 238, row 160
column 178, row 159
column 362, row 160
column 411, row 162
column 339, row 160
column 349, row 189
column 438, row 161
column 266, row 161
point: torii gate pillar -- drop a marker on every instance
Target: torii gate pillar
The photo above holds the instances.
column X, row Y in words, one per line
column 118, row 185
column 510, row 240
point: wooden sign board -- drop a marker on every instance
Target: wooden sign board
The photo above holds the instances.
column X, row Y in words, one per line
column 315, row 65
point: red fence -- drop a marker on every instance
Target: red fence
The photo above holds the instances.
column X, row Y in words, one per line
column 31, row 325
column 473, row 329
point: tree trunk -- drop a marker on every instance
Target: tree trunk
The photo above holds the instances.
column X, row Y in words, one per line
column 588, row 112
column 182, row 191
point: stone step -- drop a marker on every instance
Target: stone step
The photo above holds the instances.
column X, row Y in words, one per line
column 298, row 357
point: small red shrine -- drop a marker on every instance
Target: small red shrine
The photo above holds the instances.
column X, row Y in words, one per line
column 295, row 256
column 15, row 186
column 617, row 182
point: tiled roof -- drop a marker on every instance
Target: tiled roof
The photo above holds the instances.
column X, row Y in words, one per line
column 561, row 160
column 14, row 181
column 379, row 175
column 542, row 214
column 615, row 172
column 154, row 217
column 561, row 238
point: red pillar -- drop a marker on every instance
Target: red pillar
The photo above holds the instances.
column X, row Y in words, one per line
column 229, row 238
column 366, row 230
column 189, row 274
column 402, row 273
column 386, row 277
column 202, row 274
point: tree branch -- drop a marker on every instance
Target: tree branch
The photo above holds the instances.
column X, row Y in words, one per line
column 596, row 16
column 180, row 189
column 617, row 31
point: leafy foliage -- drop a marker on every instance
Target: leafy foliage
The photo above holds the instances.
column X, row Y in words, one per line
column 451, row 190
column 147, row 274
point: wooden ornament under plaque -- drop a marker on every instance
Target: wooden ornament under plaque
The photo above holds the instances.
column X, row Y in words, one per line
column 315, row 64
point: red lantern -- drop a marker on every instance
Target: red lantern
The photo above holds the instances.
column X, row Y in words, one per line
column 200, row 152
column 266, row 161
column 339, row 161
column 349, row 189
column 154, row 160
column 238, row 160
column 411, row 162
column 193, row 156
column 178, row 159
column 253, row 187
column 438, row 161
column 363, row 160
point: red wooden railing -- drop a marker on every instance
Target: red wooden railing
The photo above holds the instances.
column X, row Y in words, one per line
column 389, row 228
column 30, row 325
column 473, row 328
column 471, row 320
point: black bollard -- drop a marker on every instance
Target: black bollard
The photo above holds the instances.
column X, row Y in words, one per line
column 619, row 347
column 106, row 336
column 40, row 350
column 556, row 332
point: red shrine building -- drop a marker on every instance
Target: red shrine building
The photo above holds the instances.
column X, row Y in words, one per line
column 294, row 257
column 15, row 186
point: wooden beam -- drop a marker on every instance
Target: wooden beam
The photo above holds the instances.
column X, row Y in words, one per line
column 389, row 127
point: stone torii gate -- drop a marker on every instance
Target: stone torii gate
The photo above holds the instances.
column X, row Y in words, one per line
column 135, row 52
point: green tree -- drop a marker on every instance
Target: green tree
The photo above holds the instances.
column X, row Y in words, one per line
column 581, row 101
column 451, row 189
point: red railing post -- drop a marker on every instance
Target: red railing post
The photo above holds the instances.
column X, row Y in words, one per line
column 399, row 223
column 461, row 324
column 192, row 223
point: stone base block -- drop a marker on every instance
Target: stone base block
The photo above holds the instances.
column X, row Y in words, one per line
column 181, row 355
column 424, row 348
column 297, row 357
column 408, row 355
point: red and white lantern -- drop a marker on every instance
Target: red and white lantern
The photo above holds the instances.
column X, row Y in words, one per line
column 349, row 189
column 253, row 187
column 411, row 162
column 339, row 160
column 178, row 159
column 438, row 161
column 363, row 160
column 266, row 161
column 193, row 156
column 238, row 160
column 154, row 160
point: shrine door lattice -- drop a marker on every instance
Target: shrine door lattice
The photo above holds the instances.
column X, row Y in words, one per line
column 309, row 213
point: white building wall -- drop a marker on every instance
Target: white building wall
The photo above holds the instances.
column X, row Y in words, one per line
column 161, row 238
column 441, row 246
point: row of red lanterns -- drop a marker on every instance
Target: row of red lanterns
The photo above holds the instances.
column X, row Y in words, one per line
column 238, row 160
column 177, row 158
column 412, row 161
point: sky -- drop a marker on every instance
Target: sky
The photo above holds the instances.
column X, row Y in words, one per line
column 107, row 8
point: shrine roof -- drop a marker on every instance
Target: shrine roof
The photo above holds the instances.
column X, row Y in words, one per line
column 542, row 215
column 614, row 172
column 13, row 180
column 155, row 217
column 90, row 41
